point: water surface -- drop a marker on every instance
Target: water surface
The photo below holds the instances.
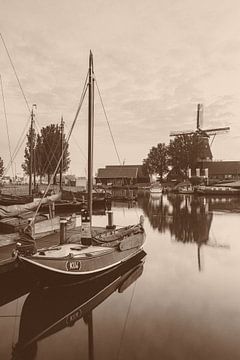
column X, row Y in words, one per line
column 182, row 303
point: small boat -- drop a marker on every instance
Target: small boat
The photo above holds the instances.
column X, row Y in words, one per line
column 16, row 210
column 14, row 224
column 14, row 218
column 156, row 188
column 216, row 190
column 188, row 190
column 93, row 250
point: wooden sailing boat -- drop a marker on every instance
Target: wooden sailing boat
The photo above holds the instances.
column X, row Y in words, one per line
column 49, row 310
column 96, row 250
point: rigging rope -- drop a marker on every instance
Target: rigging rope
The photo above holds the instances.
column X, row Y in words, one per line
column 15, row 154
column 76, row 143
column 115, row 147
column 15, row 72
column 6, row 121
column 67, row 140
column 17, row 148
column 48, row 161
column 125, row 323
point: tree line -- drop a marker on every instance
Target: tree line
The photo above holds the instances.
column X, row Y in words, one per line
column 46, row 151
column 181, row 153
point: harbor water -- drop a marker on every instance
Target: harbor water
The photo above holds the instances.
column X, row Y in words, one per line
column 181, row 302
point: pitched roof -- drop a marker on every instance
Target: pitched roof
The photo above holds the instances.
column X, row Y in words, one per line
column 221, row 167
column 118, row 171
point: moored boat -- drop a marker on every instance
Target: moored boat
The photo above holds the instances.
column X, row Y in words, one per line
column 56, row 308
column 156, row 188
column 92, row 251
column 217, row 190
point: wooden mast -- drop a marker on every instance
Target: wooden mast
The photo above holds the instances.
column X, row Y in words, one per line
column 31, row 151
column 90, row 133
column 61, row 164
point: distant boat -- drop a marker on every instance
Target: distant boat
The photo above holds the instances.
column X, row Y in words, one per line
column 156, row 188
column 216, row 190
column 93, row 250
column 16, row 210
column 14, row 218
column 186, row 190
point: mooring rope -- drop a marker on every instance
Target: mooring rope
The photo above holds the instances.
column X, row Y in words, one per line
column 106, row 117
column 15, row 72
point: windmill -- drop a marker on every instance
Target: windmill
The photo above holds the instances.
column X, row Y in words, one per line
column 203, row 134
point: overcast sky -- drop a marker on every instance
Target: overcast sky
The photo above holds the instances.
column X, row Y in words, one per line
column 154, row 61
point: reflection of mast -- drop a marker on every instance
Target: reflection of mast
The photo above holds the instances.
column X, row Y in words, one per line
column 90, row 336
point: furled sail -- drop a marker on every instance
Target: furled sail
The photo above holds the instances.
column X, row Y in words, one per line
column 15, row 210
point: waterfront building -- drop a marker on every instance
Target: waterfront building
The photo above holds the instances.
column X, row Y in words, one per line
column 119, row 175
column 217, row 170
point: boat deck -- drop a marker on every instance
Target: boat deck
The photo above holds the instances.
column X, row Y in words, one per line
column 77, row 251
column 8, row 244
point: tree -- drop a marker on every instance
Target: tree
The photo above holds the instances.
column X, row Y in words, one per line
column 48, row 151
column 1, row 167
column 157, row 160
column 30, row 135
column 183, row 151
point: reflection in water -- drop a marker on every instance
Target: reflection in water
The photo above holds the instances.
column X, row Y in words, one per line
column 49, row 310
column 187, row 218
column 224, row 204
column 14, row 284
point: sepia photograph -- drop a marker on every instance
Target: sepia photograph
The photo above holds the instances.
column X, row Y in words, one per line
column 119, row 179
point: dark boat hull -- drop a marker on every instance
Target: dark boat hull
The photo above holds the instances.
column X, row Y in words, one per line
column 44, row 271
column 7, row 200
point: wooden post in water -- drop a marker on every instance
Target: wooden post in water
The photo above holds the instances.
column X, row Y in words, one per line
column 63, row 225
column 110, row 221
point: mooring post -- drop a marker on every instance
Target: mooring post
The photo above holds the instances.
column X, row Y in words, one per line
column 53, row 209
column 63, row 226
column 50, row 210
column 110, row 221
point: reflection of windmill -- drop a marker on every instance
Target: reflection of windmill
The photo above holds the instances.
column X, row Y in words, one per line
column 191, row 223
column 203, row 135
column 209, row 244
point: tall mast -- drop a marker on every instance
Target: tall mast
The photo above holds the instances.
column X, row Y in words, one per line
column 90, row 133
column 31, row 151
column 61, row 164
